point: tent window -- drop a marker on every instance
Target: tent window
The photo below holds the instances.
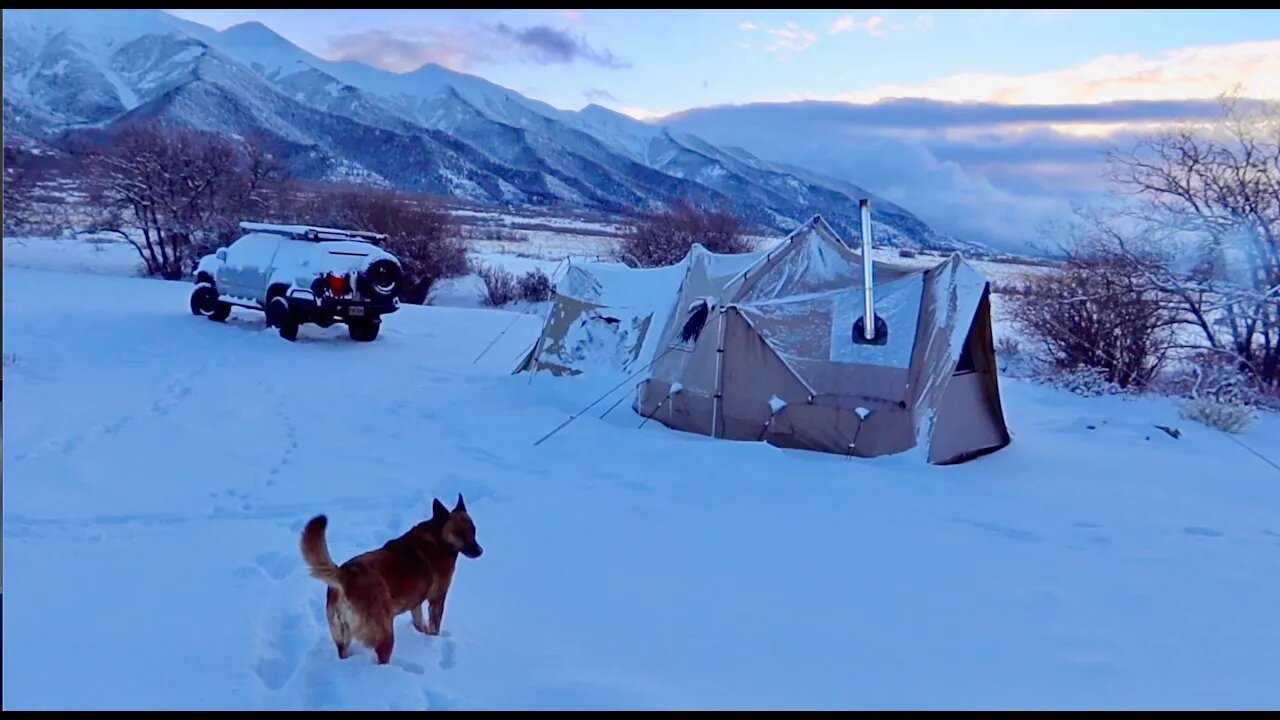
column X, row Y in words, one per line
column 698, row 313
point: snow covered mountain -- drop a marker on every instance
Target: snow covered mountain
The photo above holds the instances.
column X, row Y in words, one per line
column 431, row 130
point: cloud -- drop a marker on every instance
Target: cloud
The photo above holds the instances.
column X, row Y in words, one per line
column 990, row 157
column 790, row 38
column 405, row 49
column 642, row 113
column 549, row 45
column 1193, row 72
column 748, row 27
column 924, row 21
column 873, row 26
column 989, row 172
column 596, row 94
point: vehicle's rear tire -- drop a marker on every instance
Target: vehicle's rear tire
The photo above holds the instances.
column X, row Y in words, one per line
column 364, row 330
column 221, row 312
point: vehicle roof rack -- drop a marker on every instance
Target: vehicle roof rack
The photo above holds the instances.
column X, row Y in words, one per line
column 308, row 232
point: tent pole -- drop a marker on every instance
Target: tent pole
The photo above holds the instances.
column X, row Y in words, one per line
column 715, row 405
column 869, row 303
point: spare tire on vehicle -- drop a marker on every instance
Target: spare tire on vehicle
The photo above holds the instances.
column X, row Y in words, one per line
column 379, row 279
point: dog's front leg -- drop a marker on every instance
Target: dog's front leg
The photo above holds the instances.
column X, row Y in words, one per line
column 418, row 623
column 437, row 613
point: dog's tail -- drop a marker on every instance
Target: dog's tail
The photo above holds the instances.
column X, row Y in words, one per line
column 315, row 552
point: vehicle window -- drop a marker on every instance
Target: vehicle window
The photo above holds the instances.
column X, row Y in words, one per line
column 253, row 250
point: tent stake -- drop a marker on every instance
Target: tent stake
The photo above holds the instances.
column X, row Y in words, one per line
column 655, row 411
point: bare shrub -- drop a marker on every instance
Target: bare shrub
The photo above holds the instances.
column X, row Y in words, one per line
column 18, row 187
column 1096, row 315
column 906, row 253
column 665, row 238
column 424, row 237
column 500, row 286
column 36, row 201
column 535, row 286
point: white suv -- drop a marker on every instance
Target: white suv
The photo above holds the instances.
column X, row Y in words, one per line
column 298, row 274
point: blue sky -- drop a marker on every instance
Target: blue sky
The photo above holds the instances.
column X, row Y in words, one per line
column 655, row 61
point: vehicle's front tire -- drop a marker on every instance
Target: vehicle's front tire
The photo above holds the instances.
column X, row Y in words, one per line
column 204, row 301
column 364, row 330
column 280, row 316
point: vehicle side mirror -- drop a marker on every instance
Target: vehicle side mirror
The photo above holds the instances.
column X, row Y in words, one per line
column 221, row 254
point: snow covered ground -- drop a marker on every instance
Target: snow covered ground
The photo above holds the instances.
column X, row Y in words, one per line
column 104, row 257
column 159, row 468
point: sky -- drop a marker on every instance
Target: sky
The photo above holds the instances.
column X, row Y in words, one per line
column 653, row 62
column 1010, row 111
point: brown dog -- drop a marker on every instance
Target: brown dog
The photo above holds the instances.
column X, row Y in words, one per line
column 368, row 591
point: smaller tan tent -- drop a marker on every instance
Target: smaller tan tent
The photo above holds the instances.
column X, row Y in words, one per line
column 769, row 347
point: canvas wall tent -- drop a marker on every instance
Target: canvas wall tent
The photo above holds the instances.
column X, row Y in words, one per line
column 762, row 347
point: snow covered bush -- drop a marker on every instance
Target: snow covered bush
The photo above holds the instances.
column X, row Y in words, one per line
column 500, row 286
column 535, row 286
column 665, row 238
column 1012, row 359
column 1218, row 377
column 425, row 238
column 1084, row 381
column 1226, row 416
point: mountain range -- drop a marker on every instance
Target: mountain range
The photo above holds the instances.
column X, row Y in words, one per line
column 432, row 130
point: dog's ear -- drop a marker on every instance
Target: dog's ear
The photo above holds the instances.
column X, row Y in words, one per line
column 438, row 510
column 461, row 506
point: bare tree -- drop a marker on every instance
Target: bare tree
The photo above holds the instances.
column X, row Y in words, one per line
column 665, row 238
column 1203, row 227
column 172, row 192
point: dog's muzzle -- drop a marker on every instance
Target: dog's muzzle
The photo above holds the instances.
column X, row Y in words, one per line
column 473, row 552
